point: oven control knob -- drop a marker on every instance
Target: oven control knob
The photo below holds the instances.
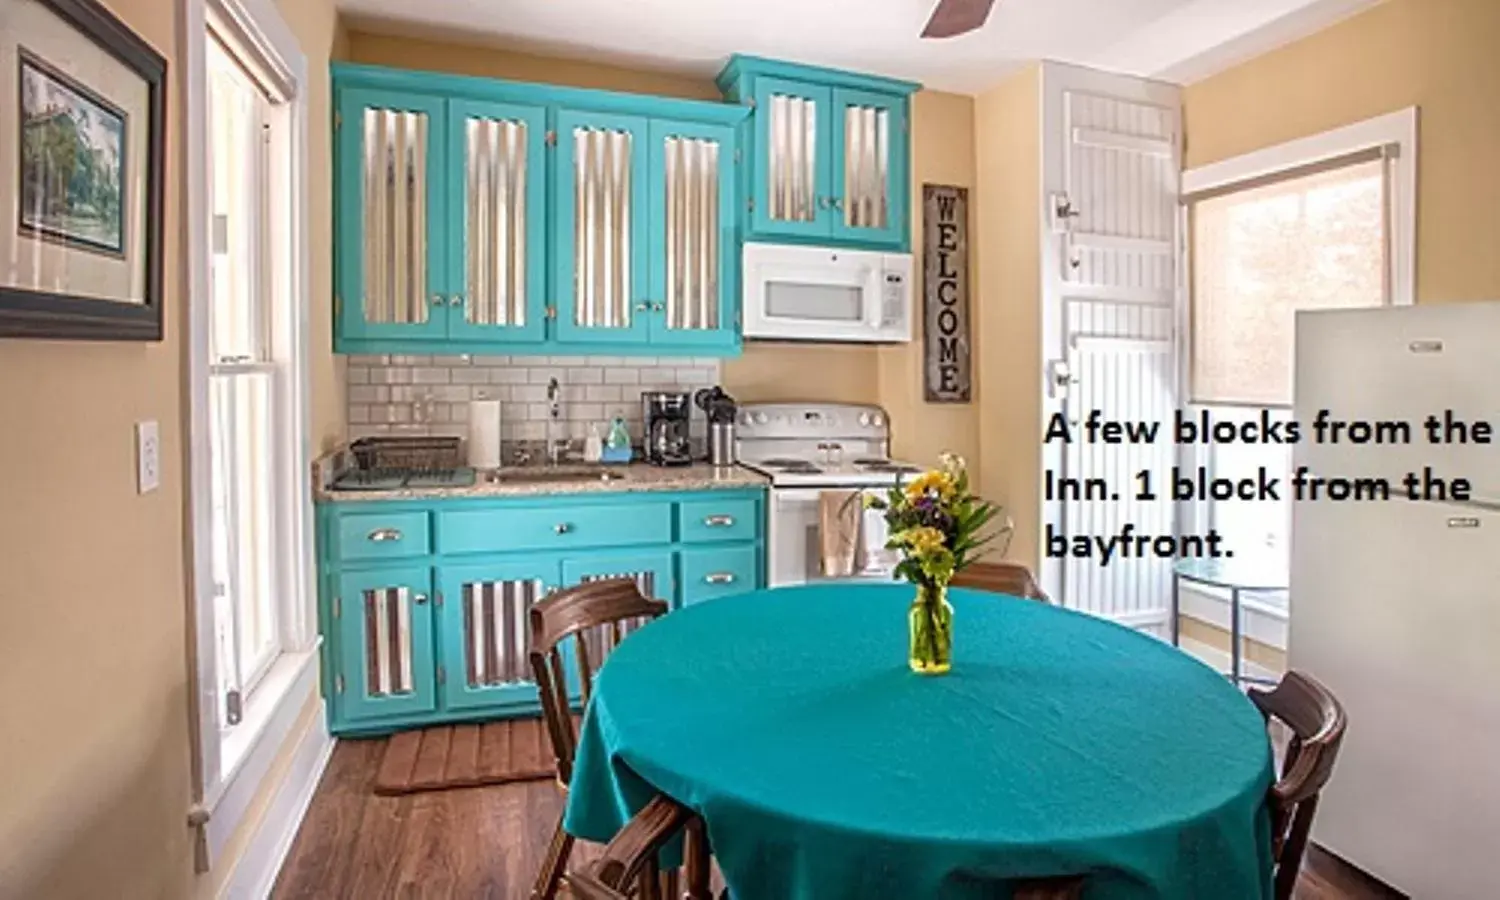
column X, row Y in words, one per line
column 877, row 420
column 744, row 418
column 761, row 418
column 864, row 420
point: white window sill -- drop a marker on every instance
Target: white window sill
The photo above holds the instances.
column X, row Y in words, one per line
column 1263, row 615
column 249, row 749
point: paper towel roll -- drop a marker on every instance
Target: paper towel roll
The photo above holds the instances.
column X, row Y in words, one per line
column 484, row 434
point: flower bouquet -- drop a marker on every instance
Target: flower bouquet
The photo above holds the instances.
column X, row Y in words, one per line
column 936, row 525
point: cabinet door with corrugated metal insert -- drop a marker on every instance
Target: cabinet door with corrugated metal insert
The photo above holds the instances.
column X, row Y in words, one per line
column 390, row 208
column 386, row 665
column 497, row 195
column 486, row 630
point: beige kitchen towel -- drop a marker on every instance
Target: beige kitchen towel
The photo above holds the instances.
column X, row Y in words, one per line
column 840, row 521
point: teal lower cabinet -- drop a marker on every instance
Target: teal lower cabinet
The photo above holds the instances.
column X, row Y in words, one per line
column 435, row 627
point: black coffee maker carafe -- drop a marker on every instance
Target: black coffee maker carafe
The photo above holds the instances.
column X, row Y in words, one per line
column 668, row 419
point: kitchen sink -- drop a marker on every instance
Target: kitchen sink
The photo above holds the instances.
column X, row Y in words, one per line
column 549, row 474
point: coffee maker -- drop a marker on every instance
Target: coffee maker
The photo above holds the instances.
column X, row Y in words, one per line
column 668, row 419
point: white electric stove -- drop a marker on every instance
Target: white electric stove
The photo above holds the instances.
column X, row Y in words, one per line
column 807, row 449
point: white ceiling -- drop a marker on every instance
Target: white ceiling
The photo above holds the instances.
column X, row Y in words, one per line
column 1178, row 40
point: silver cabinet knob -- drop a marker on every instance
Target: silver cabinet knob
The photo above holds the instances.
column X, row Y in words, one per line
column 562, row 528
column 383, row 535
column 658, row 306
column 437, row 299
column 420, row 599
column 456, row 300
column 643, row 307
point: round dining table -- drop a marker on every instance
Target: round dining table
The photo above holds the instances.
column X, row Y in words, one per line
column 1060, row 744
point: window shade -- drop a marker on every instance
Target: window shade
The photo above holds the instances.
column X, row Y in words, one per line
column 1315, row 241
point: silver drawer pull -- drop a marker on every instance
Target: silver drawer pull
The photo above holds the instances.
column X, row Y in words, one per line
column 562, row 528
column 382, row 535
column 719, row 578
column 719, row 521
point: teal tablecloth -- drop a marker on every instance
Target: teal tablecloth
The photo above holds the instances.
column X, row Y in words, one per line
column 825, row 769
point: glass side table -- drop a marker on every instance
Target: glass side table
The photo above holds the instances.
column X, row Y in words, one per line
column 1235, row 574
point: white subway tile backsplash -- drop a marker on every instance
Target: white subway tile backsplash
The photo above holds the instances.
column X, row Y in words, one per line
column 507, row 376
column 390, row 375
column 470, row 375
column 423, row 395
column 369, row 394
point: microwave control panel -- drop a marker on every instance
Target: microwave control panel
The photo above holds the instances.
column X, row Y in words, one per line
column 894, row 298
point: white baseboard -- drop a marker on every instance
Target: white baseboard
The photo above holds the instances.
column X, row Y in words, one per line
column 255, row 872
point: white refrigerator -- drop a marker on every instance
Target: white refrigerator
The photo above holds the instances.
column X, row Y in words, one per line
column 1396, row 605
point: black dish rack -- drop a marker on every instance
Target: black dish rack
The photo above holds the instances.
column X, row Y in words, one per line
column 386, row 463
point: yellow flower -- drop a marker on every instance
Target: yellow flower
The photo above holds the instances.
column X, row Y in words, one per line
column 923, row 540
column 940, row 483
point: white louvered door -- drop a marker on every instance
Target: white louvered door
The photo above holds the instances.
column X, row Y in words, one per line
column 1110, row 281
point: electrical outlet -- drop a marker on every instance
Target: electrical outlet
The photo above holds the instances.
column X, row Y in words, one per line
column 147, row 456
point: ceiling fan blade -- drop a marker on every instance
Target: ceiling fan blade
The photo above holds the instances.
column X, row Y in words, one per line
column 955, row 17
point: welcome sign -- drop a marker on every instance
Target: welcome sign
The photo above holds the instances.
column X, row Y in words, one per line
column 945, row 293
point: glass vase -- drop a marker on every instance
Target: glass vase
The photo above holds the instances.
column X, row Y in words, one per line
column 931, row 624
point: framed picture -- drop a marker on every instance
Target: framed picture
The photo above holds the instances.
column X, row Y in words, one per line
column 81, row 174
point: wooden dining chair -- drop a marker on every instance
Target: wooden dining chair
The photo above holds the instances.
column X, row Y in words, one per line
column 1317, row 722
column 599, row 614
column 1001, row 578
column 629, row 866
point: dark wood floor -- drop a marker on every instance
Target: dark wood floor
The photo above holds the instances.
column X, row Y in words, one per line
column 486, row 842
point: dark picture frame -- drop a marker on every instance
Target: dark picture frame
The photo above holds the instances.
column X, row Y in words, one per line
column 28, row 313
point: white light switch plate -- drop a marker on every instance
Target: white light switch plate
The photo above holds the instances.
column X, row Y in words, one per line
column 147, row 456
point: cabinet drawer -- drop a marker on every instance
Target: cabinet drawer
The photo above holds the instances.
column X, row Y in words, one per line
column 730, row 519
column 383, row 535
column 718, row 572
column 560, row 528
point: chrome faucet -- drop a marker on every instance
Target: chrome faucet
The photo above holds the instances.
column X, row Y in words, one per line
column 554, row 417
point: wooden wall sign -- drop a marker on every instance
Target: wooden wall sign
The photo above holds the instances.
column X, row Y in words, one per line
column 945, row 293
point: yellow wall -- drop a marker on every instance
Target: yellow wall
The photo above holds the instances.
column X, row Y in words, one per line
column 94, row 751
column 1008, row 253
column 1439, row 55
column 942, row 140
column 95, row 746
column 942, row 152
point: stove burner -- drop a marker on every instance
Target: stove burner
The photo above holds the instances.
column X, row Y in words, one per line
column 885, row 465
column 791, row 466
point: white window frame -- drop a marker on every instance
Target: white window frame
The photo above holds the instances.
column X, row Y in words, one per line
column 1396, row 129
column 231, row 764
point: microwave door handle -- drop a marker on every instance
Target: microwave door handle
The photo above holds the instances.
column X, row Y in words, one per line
column 875, row 299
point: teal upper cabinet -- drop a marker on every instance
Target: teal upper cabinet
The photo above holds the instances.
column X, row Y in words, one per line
column 829, row 154
column 483, row 216
column 391, row 210
column 599, row 230
column 497, row 203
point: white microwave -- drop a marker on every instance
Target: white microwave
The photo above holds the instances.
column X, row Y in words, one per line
column 826, row 294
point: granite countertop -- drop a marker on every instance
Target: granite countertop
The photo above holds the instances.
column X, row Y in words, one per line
column 637, row 478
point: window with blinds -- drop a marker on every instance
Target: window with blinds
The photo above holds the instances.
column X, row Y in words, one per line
column 1313, row 238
